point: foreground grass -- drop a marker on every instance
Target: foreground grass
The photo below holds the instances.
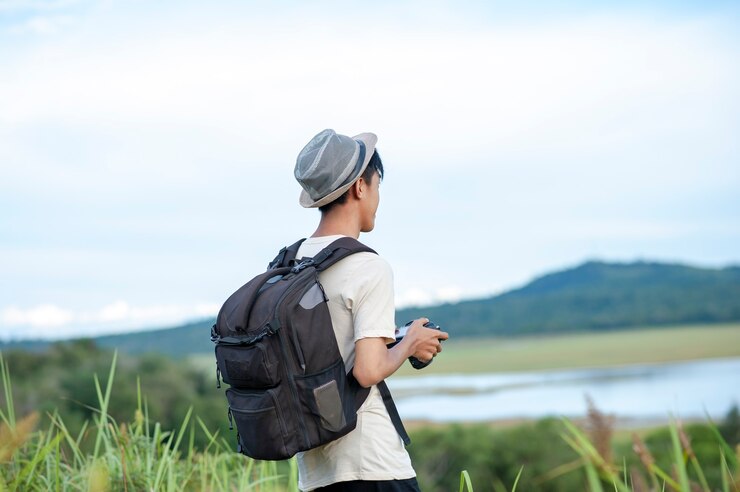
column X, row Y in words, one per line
column 140, row 455
column 108, row 456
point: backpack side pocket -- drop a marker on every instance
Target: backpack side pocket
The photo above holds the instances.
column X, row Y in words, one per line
column 327, row 402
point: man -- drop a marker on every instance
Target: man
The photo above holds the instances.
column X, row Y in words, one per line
column 341, row 177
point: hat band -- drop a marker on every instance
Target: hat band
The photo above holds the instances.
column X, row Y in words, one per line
column 358, row 167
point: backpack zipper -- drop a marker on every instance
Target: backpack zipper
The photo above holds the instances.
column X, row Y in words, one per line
column 298, row 350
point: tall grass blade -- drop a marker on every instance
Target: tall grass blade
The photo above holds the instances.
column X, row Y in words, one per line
column 211, row 437
column 465, row 481
column 700, row 474
column 724, row 471
column 594, row 484
column 9, row 417
column 666, row 479
column 728, row 451
column 31, row 465
column 678, row 459
column 516, row 480
column 56, row 420
column 183, row 427
column 583, row 446
column 104, row 401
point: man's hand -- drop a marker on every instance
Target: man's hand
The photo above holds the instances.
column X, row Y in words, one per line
column 425, row 342
column 374, row 361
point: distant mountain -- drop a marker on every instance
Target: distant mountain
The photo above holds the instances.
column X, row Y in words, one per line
column 597, row 296
column 594, row 296
column 178, row 341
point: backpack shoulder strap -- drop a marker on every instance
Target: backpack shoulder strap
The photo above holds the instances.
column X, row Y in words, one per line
column 393, row 412
column 286, row 255
column 338, row 250
column 361, row 395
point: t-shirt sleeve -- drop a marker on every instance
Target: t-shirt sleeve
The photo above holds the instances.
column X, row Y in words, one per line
column 370, row 298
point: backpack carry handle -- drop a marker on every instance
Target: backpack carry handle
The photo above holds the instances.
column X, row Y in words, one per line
column 286, row 255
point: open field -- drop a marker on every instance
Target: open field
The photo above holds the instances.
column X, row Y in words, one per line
column 634, row 346
column 650, row 345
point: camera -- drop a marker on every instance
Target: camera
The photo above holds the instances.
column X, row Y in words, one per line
column 401, row 332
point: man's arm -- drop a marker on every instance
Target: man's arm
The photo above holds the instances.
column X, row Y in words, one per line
column 374, row 361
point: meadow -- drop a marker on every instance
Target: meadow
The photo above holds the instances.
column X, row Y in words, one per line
column 550, row 456
column 636, row 346
column 86, row 419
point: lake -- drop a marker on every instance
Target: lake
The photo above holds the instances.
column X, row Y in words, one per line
column 652, row 392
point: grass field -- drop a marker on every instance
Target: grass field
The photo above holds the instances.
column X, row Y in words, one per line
column 649, row 345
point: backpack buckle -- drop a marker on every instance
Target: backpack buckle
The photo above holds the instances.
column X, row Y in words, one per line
column 302, row 266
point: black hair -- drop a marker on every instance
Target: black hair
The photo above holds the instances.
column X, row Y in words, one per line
column 375, row 165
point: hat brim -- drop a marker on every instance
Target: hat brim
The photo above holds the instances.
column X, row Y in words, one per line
column 369, row 139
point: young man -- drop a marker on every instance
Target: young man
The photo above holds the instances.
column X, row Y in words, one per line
column 341, row 176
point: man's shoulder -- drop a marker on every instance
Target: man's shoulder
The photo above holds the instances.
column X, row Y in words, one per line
column 367, row 260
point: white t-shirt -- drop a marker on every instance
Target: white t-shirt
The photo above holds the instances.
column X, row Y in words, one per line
column 360, row 292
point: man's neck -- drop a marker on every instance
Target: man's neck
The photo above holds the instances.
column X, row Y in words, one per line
column 339, row 221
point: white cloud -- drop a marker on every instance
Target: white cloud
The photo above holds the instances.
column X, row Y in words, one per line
column 50, row 321
column 417, row 296
column 42, row 316
column 413, row 297
column 451, row 293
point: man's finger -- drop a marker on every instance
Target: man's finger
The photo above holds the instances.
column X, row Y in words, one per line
column 443, row 335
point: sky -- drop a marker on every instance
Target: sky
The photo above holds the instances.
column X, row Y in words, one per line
column 147, row 148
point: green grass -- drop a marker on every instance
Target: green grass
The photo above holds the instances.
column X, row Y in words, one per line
column 111, row 456
column 650, row 345
column 139, row 455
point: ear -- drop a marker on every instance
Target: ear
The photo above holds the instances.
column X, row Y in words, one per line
column 358, row 188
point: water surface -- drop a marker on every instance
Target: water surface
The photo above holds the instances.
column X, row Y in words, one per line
column 650, row 392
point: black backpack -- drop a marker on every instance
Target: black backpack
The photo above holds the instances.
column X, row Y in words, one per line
column 275, row 346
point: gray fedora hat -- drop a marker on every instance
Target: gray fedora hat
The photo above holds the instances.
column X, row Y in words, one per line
column 330, row 163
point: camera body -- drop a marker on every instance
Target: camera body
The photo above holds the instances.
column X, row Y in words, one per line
column 401, row 332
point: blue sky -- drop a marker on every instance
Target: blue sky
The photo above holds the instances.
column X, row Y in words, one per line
column 146, row 149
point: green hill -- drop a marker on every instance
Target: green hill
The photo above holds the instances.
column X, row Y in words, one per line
column 594, row 296
column 597, row 296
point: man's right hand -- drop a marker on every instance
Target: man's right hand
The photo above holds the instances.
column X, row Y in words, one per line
column 375, row 362
column 424, row 343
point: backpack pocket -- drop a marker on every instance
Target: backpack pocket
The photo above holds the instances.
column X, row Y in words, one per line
column 328, row 403
column 247, row 366
column 261, row 429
